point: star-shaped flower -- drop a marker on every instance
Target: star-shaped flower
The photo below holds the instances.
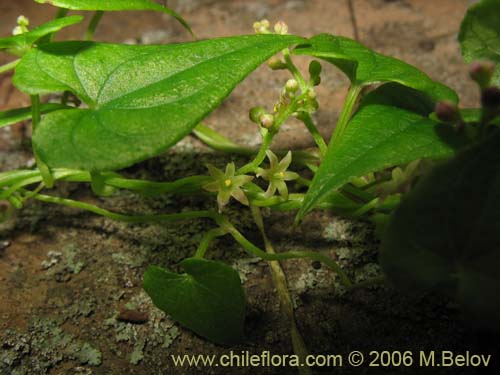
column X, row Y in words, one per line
column 277, row 174
column 227, row 185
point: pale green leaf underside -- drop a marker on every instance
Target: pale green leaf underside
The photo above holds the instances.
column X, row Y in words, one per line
column 378, row 136
column 364, row 66
column 207, row 299
column 142, row 99
column 115, row 5
column 480, row 34
column 28, row 39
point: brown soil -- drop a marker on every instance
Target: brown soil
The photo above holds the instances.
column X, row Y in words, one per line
column 65, row 275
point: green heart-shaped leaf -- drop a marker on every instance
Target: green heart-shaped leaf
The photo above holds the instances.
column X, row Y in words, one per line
column 445, row 234
column 480, row 34
column 23, row 42
column 208, row 298
column 142, row 99
column 115, row 5
column 381, row 135
column 365, row 67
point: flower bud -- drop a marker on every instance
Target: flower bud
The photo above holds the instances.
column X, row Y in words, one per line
column 481, row 72
column 311, row 105
column 275, row 63
column 18, row 30
column 261, row 27
column 291, row 86
column 490, row 98
column 311, row 94
column 447, row 112
column 23, row 21
column 256, row 113
column 281, row 28
column 22, row 26
column 267, row 120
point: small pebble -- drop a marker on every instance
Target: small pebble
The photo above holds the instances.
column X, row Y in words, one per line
column 4, row 245
column 133, row 316
column 427, row 45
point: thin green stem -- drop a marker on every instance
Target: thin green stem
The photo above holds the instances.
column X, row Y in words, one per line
column 218, row 142
column 269, row 135
column 9, row 66
column 15, row 201
column 207, row 240
column 295, row 71
column 94, row 22
column 261, row 155
column 254, row 250
column 345, row 115
column 366, row 208
column 32, row 193
column 188, row 215
column 356, row 194
column 286, row 303
column 318, row 138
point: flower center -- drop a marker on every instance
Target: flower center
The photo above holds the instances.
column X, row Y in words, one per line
column 227, row 182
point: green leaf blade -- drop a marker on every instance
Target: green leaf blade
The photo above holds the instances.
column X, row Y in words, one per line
column 116, row 5
column 365, row 67
column 379, row 136
column 142, row 99
column 26, row 40
column 207, row 299
column 479, row 35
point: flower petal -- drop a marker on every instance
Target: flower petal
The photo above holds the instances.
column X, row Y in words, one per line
column 212, row 186
column 241, row 180
column 271, row 190
column 273, row 159
column 286, row 161
column 289, row 176
column 230, row 168
column 214, row 172
column 223, row 198
column 263, row 173
column 240, row 196
column 282, row 188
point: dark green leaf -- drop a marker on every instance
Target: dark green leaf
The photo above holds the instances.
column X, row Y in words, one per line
column 207, row 299
column 445, row 234
column 379, row 136
column 480, row 34
column 364, row 66
column 24, row 41
column 14, row 116
column 142, row 99
column 115, row 5
column 397, row 95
